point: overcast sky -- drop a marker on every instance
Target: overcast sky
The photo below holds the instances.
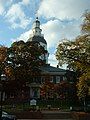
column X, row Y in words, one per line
column 59, row 19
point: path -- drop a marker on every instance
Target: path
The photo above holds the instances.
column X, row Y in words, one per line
column 54, row 115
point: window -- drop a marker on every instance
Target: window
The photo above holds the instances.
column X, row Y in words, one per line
column 64, row 78
column 11, row 95
column 57, row 79
column 42, row 79
column 51, row 79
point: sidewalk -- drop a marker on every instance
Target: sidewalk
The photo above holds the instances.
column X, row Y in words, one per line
column 44, row 119
column 55, row 115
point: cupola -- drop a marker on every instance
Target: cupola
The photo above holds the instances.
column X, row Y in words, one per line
column 36, row 28
column 36, row 36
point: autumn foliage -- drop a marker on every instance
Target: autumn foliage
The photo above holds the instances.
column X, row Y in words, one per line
column 76, row 54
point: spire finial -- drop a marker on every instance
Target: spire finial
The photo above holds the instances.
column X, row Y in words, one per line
column 36, row 9
column 36, row 15
column 36, row 18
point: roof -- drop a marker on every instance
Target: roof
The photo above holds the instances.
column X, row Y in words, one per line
column 38, row 39
column 52, row 70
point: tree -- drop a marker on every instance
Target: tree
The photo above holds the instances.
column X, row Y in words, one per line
column 3, row 59
column 25, row 58
column 66, row 90
column 23, row 64
column 3, row 53
column 86, row 23
column 3, row 56
column 47, row 88
column 76, row 54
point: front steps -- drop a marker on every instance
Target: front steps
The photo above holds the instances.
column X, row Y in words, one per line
column 56, row 115
column 44, row 115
